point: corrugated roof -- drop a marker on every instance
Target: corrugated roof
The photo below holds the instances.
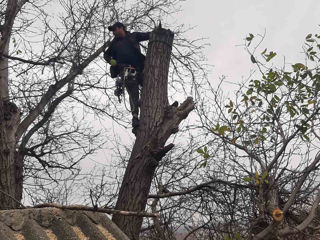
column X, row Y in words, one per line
column 57, row 224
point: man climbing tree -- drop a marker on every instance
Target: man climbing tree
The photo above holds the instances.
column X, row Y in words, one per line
column 159, row 120
column 127, row 61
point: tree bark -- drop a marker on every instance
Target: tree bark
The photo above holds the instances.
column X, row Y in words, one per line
column 4, row 91
column 13, row 7
column 10, row 159
column 158, row 122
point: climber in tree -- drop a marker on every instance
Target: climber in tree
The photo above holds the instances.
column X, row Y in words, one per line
column 124, row 51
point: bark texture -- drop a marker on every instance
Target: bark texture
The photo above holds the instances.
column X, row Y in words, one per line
column 13, row 7
column 10, row 159
column 158, row 122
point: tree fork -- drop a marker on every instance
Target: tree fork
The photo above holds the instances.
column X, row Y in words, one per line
column 158, row 122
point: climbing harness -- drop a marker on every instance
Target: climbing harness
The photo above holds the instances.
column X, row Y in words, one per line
column 129, row 74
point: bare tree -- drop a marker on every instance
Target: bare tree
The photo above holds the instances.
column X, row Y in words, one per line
column 257, row 175
column 55, row 67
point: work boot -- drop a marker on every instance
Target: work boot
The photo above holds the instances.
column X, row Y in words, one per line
column 135, row 125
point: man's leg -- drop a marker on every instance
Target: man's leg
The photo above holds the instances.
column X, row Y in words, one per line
column 133, row 91
column 140, row 78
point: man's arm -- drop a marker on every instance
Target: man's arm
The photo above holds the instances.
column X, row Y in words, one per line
column 142, row 36
column 108, row 54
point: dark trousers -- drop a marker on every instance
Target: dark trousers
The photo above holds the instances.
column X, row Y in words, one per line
column 132, row 86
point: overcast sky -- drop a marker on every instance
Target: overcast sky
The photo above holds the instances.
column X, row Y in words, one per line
column 227, row 23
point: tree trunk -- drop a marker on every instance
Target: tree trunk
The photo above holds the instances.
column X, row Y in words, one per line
column 158, row 122
column 10, row 14
column 10, row 159
column 4, row 92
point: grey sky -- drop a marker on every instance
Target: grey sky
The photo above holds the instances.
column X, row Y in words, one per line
column 227, row 23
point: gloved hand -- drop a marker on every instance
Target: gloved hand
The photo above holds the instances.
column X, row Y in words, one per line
column 113, row 62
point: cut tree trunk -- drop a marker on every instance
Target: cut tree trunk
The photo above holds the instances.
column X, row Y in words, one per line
column 10, row 159
column 158, row 122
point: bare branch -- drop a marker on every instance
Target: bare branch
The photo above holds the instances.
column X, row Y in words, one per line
column 74, row 71
column 93, row 209
column 197, row 188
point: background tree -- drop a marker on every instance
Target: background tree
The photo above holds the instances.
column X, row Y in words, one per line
column 259, row 158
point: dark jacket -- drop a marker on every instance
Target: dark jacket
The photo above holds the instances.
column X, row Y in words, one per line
column 126, row 50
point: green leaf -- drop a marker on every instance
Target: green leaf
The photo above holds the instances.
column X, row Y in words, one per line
column 298, row 66
column 310, row 49
column 231, row 104
column 264, row 175
column 272, row 88
column 309, row 36
column 292, row 112
column 223, row 129
column 279, row 83
column 306, row 138
column 205, row 149
column 199, row 150
column 204, row 164
column 257, row 175
column 270, row 56
column 251, row 36
column 249, row 92
column 247, row 179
